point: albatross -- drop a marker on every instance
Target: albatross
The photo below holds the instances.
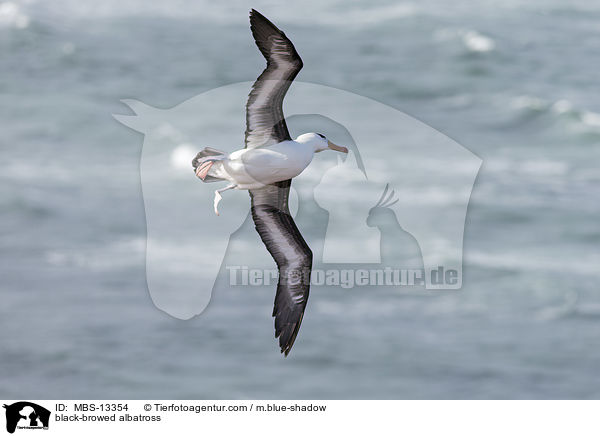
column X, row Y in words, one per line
column 265, row 167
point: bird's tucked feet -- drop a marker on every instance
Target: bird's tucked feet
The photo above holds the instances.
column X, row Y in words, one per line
column 218, row 196
column 218, row 199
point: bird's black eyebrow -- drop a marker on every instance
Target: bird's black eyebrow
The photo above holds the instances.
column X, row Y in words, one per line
column 322, row 136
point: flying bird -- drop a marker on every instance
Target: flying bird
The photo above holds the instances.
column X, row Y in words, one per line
column 265, row 167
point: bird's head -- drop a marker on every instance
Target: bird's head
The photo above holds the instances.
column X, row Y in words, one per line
column 319, row 142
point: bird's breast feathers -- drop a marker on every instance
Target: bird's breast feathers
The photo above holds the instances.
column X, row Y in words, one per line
column 269, row 164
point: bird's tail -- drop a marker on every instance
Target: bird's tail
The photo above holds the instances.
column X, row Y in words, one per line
column 207, row 165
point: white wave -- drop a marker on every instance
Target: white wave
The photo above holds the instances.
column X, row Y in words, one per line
column 365, row 16
column 120, row 254
column 523, row 261
column 29, row 171
column 529, row 102
column 182, row 155
column 472, row 40
column 544, row 167
column 537, row 167
column 68, row 48
column 562, row 106
column 11, row 16
column 559, row 107
column 567, row 307
column 591, row 119
column 227, row 13
column 433, row 195
column 477, row 42
column 168, row 132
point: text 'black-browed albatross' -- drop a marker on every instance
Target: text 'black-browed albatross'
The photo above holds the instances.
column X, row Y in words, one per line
column 265, row 167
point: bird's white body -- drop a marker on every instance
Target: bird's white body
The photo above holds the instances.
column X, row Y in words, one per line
column 257, row 167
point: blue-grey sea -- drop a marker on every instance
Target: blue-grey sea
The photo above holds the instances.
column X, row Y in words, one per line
column 515, row 82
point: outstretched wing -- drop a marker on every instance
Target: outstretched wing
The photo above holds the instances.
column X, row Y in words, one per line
column 282, row 238
column 265, row 123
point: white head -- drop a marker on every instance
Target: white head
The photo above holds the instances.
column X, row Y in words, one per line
column 319, row 142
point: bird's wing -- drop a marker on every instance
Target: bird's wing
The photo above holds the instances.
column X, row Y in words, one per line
column 265, row 123
column 282, row 238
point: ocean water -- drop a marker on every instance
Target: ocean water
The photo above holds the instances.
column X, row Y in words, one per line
column 514, row 83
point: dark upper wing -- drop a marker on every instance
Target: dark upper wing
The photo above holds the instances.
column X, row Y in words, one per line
column 265, row 124
column 282, row 238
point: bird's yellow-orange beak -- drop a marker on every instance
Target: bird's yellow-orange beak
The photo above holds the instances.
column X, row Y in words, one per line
column 337, row 147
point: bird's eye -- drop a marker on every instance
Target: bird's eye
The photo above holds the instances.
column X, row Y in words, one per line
column 321, row 135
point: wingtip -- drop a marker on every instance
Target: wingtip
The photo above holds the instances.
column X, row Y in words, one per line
column 286, row 341
column 286, row 348
column 253, row 12
column 258, row 19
